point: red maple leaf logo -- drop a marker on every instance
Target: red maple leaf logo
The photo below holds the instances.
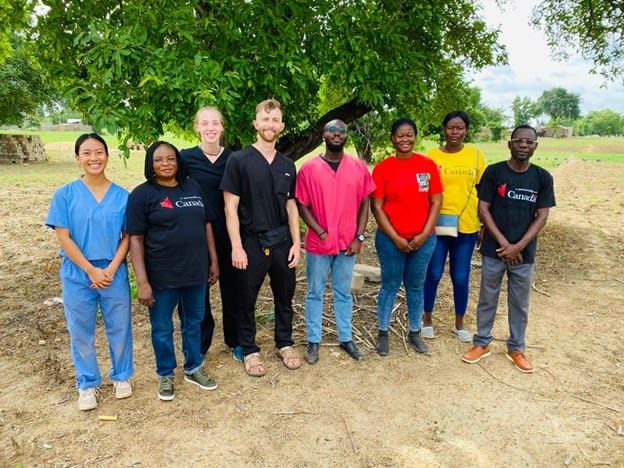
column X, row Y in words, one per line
column 166, row 203
column 502, row 189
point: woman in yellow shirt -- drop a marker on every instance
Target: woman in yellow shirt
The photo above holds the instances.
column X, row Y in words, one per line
column 461, row 167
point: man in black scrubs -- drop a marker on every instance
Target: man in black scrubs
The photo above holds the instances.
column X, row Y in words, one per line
column 263, row 225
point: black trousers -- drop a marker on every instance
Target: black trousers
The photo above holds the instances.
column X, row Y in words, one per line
column 282, row 282
column 230, row 297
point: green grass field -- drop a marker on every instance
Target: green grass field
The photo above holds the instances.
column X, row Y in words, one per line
column 550, row 153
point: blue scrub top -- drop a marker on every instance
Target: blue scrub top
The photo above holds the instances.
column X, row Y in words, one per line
column 96, row 228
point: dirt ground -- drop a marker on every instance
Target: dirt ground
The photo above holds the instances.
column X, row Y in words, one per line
column 401, row 410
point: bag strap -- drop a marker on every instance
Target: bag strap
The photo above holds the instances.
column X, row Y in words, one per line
column 473, row 184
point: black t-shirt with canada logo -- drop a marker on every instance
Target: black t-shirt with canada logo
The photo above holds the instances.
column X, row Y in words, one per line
column 515, row 198
column 173, row 223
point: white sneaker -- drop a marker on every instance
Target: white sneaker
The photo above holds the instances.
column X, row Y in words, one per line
column 87, row 399
column 427, row 332
column 462, row 335
column 123, row 388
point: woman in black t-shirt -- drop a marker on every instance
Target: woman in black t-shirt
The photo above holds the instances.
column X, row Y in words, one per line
column 205, row 163
column 174, row 257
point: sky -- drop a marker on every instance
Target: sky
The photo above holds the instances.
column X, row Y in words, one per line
column 532, row 70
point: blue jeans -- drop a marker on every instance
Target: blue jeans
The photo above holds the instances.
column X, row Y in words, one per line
column 317, row 268
column 459, row 250
column 80, row 302
column 396, row 268
column 161, row 318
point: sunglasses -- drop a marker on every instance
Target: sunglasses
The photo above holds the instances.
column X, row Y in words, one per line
column 333, row 128
column 526, row 141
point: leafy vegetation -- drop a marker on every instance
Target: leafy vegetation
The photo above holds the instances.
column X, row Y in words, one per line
column 592, row 28
column 140, row 67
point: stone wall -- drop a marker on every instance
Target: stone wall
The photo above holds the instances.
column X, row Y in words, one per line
column 21, row 149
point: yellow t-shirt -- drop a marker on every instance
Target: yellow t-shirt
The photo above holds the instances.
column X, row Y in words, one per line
column 460, row 172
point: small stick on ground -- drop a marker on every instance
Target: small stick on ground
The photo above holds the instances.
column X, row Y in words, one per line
column 587, row 400
column 355, row 449
column 503, row 382
column 539, row 290
column 289, row 413
column 393, row 330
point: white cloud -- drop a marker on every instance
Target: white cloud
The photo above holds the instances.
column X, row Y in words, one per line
column 532, row 70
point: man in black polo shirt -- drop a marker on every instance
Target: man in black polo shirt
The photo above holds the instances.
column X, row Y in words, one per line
column 263, row 225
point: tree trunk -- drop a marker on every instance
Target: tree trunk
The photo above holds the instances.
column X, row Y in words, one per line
column 299, row 144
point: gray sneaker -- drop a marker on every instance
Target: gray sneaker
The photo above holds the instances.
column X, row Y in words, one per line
column 166, row 391
column 201, row 379
column 415, row 341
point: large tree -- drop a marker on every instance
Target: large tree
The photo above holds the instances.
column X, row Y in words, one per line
column 594, row 28
column 23, row 91
column 523, row 110
column 559, row 104
column 145, row 65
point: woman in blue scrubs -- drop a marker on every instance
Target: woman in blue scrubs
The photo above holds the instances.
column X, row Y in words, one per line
column 89, row 217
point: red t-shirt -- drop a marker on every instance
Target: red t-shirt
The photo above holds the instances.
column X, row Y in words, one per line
column 405, row 186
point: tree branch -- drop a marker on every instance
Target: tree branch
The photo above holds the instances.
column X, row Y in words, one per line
column 296, row 145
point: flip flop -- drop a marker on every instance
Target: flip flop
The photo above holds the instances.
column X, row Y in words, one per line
column 252, row 361
column 289, row 357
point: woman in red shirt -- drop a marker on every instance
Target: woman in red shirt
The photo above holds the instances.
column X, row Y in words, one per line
column 406, row 205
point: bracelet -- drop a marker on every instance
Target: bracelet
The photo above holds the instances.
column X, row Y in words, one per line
column 320, row 234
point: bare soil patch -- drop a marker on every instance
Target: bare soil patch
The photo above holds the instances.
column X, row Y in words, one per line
column 401, row 410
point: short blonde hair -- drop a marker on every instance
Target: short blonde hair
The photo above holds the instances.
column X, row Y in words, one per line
column 268, row 105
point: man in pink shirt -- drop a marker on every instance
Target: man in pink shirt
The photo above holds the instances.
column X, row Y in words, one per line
column 332, row 195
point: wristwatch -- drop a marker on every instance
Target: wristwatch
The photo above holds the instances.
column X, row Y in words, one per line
column 360, row 237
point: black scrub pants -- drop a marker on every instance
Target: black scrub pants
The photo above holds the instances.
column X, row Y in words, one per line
column 282, row 282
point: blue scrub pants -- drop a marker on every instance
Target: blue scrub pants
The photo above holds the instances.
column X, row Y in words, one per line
column 81, row 305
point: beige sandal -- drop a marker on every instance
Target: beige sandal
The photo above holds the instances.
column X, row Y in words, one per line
column 289, row 357
column 253, row 365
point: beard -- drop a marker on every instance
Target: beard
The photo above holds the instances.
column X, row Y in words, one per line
column 334, row 148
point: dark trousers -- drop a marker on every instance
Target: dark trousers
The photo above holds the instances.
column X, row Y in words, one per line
column 282, row 285
column 230, row 295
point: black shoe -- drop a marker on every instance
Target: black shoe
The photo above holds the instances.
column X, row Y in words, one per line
column 415, row 341
column 383, row 346
column 352, row 350
column 312, row 353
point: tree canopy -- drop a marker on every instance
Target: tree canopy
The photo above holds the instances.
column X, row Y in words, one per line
column 559, row 104
column 523, row 110
column 603, row 122
column 13, row 17
column 22, row 89
column 143, row 66
column 593, row 28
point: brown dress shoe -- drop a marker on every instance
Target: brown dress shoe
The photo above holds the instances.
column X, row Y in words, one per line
column 521, row 362
column 476, row 353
